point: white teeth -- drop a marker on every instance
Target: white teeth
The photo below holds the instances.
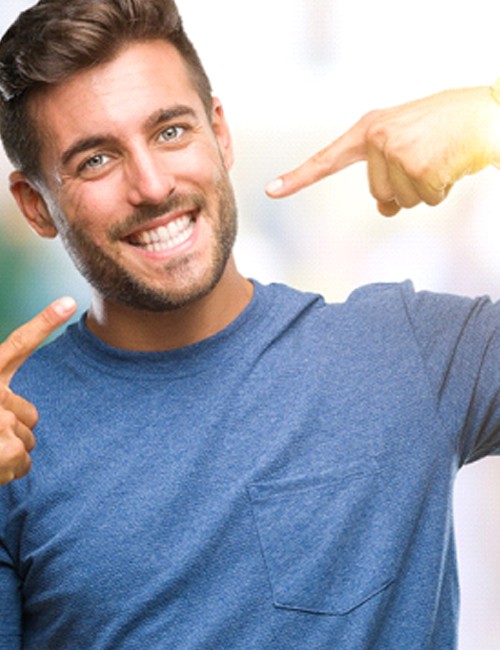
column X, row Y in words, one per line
column 165, row 237
column 162, row 233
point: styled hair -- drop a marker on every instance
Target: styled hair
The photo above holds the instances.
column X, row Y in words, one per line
column 55, row 39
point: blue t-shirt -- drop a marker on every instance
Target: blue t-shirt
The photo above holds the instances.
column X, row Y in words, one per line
column 285, row 484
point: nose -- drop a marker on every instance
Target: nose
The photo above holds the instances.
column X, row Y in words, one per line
column 149, row 181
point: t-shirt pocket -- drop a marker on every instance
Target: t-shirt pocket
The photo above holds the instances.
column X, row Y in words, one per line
column 326, row 540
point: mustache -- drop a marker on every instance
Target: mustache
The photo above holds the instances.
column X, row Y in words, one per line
column 144, row 214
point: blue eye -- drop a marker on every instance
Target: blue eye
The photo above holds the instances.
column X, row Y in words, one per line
column 171, row 133
column 95, row 162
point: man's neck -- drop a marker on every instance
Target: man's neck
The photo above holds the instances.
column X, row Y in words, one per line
column 147, row 331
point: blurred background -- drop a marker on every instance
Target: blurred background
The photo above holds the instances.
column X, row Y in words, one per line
column 293, row 75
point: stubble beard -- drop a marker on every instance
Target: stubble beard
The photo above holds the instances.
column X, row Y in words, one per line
column 115, row 283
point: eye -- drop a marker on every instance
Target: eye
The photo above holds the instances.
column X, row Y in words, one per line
column 171, row 133
column 94, row 162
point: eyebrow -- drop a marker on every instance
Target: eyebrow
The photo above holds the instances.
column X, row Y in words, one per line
column 97, row 141
column 84, row 144
column 166, row 115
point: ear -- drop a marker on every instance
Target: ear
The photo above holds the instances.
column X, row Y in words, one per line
column 32, row 205
column 222, row 133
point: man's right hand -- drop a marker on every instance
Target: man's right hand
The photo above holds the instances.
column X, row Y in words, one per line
column 18, row 417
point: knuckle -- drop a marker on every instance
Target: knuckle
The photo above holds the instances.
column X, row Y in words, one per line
column 395, row 151
column 383, row 195
column 418, row 168
column 17, row 340
column 12, row 452
column 320, row 159
column 29, row 413
column 407, row 202
column 320, row 164
column 47, row 319
column 33, row 416
column 317, row 158
column 375, row 128
column 14, row 466
column 370, row 118
column 434, row 197
column 8, row 420
column 24, row 468
column 31, row 443
column 18, row 450
column 4, row 395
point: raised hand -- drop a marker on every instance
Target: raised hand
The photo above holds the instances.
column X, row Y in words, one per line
column 414, row 152
column 18, row 417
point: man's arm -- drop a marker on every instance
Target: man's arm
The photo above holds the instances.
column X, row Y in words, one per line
column 414, row 152
column 18, row 417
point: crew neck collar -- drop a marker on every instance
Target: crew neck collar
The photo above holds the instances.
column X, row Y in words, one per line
column 193, row 357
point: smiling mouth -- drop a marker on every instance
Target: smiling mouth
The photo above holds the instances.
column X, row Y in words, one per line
column 164, row 237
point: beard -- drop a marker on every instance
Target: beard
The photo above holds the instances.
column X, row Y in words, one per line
column 116, row 283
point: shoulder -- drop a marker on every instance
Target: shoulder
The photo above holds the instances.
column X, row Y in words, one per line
column 426, row 307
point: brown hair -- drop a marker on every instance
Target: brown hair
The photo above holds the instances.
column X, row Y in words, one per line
column 57, row 38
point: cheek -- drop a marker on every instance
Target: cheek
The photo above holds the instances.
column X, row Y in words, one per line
column 91, row 208
column 201, row 165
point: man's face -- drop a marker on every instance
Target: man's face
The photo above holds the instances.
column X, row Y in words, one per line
column 137, row 178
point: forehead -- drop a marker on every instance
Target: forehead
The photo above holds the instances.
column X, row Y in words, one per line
column 116, row 96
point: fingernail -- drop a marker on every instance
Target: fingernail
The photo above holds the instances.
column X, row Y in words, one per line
column 64, row 305
column 274, row 186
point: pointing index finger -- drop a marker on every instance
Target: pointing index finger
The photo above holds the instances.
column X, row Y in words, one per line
column 25, row 339
column 338, row 155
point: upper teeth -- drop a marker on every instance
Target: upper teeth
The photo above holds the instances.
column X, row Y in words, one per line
column 165, row 237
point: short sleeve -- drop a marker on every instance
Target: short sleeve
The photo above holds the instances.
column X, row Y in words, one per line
column 459, row 340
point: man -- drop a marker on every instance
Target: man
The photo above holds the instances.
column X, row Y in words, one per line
column 219, row 464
